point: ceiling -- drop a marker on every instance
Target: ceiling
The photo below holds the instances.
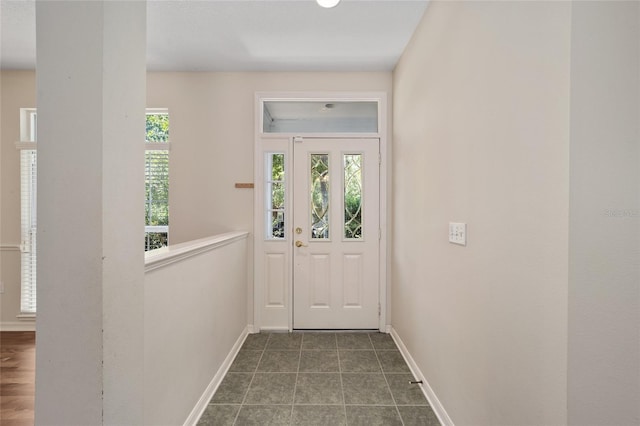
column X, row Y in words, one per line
column 248, row 35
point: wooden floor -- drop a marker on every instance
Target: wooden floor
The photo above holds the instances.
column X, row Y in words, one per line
column 17, row 377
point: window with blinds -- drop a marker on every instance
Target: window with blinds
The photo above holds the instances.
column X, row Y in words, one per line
column 28, row 192
column 156, row 194
column 28, row 173
column 156, row 180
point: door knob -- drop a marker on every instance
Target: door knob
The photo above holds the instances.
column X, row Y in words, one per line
column 301, row 244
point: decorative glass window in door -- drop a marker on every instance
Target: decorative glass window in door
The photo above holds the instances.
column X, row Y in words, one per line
column 275, row 196
column 352, row 196
column 320, row 196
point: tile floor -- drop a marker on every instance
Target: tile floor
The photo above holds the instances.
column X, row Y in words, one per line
column 318, row 378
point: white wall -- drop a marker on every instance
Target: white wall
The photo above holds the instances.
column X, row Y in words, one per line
column 604, row 275
column 481, row 135
column 194, row 312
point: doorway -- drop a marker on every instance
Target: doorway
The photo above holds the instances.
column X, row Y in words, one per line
column 319, row 206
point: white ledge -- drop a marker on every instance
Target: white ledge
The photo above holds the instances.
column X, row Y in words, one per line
column 164, row 256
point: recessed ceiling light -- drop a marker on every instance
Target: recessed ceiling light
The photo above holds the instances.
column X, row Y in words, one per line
column 328, row 3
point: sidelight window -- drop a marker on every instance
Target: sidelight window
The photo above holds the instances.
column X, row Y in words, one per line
column 275, row 195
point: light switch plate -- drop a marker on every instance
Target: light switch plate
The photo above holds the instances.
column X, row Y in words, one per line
column 458, row 233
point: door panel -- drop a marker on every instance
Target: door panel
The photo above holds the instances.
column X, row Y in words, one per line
column 336, row 234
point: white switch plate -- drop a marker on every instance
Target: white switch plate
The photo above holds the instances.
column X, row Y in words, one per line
column 458, row 233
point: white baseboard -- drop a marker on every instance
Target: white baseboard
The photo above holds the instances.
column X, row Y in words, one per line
column 197, row 411
column 434, row 402
column 18, row 326
column 275, row 329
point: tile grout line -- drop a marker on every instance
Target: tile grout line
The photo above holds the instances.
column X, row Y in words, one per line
column 252, row 378
column 393, row 398
column 344, row 399
column 295, row 384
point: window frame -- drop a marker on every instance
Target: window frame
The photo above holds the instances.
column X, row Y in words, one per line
column 28, row 211
column 150, row 146
column 28, row 205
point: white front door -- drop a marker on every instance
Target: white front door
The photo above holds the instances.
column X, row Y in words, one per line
column 336, row 223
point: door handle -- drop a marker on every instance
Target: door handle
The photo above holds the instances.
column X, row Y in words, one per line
column 301, row 244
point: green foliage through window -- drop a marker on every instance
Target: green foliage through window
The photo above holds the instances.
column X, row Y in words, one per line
column 157, row 127
column 276, row 188
column 320, row 196
column 157, row 183
column 353, row 196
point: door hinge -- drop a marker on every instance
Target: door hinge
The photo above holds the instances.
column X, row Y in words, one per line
column 297, row 139
column 379, row 310
column 379, row 234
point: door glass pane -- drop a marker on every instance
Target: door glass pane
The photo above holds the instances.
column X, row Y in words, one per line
column 277, row 225
column 277, row 195
column 274, row 196
column 320, row 196
column 353, row 196
column 320, row 117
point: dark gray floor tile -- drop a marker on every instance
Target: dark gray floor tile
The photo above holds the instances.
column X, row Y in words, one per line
column 392, row 362
column 319, row 361
column 318, row 341
column 318, row 388
column 256, row 342
column 319, row 415
column 264, row 415
column 365, row 388
column 405, row 393
column 318, row 393
column 219, row 415
column 382, row 341
column 279, row 361
column 418, row 416
column 358, row 361
column 284, row 341
column 233, row 388
column 353, row 341
column 246, row 361
column 372, row 416
column 271, row 388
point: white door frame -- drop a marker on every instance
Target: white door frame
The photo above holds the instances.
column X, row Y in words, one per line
column 277, row 314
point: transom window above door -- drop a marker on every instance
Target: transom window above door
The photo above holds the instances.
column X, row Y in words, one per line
column 319, row 116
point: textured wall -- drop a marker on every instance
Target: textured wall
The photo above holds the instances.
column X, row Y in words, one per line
column 604, row 276
column 481, row 135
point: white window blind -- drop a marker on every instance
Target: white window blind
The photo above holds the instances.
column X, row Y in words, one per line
column 28, row 191
column 28, row 217
column 156, row 200
column 157, row 180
